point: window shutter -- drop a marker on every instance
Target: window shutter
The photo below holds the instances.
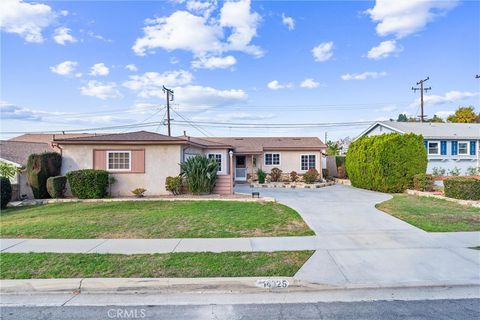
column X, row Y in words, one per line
column 138, row 161
column 473, row 148
column 454, row 148
column 99, row 159
column 443, row 148
column 425, row 142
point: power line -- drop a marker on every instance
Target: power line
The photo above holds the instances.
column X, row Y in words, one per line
column 202, row 131
column 422, row 90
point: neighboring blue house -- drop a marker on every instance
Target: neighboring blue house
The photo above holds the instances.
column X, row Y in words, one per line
column 449, row 145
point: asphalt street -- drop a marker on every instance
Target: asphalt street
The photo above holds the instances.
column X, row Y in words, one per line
column 382, row 310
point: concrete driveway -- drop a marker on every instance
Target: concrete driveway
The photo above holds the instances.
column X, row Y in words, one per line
column 365, row 246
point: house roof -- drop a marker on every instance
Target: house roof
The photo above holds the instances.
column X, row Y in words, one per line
column 260, row 144
column 18, row 151
column 137, row 137
column 433, row 130
column 47, row 138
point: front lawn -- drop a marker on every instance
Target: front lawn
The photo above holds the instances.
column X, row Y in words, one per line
column 430, row 214
column 152, row 219
column 170, row 265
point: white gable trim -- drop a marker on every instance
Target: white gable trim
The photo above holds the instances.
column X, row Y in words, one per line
column 373, row 126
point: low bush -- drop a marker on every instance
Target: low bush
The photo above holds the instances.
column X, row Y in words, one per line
column 310, row 176
column 438, row 172
column 423, row 182
column 386, row 162
column 88, row 183
column 340, row 161
column 276, row 174
column 8, row 170
column 293, row 176
column 462, row 188
column 455, row 172
column 200, row 174
column 56, row 186
column 174, row 185
column 473, row 171
column 139, row 192
column 261, row 176
column 6, row 191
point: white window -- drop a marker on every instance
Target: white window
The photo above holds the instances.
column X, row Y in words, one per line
column 218, row 158
column 463, row 148
column 272, row 159
column 119, row 161
column 434, row 148
column 307, row 161
column 187, row 156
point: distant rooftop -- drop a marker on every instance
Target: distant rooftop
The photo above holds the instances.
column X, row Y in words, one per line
column 436, row 130
column 18, row 151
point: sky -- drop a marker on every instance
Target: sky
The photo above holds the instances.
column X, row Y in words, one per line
column 71, row 65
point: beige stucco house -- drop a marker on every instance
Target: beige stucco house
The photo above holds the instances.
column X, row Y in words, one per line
column 144, row 159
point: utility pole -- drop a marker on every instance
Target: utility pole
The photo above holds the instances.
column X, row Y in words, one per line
column 169, row 93
column 422, row 89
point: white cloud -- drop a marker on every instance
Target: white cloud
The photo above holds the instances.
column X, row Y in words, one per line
column 384, row 50
column 99, row 69
column 363, row 76
column 150, row 83
column 10, row 111
column 275, row 85
column 323, row 51
column 204, row 8
column 387, row 108
column 62, row 36
column 201, row 35
column 25, row 19
column 450, row 96
column 214, row 62
column 101, row 90
column 403, row 18
column 204, row 97
column 309, row 83
column 131, row 67
column 288, row 21
column 64, row 68
column 232, row 116
column 444, row 114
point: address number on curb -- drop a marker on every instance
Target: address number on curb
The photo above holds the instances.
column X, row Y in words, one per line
column 272, row 283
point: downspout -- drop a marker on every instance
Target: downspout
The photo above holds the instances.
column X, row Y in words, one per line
column 231, row 171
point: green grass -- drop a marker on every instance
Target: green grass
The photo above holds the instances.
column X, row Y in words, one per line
column 171, row 265
column 152, row 219
column 430, row 214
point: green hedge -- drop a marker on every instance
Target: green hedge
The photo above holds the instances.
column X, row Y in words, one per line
column 88, row 183
column 40, row 167
column 462, row 188
column 423, row 182
column 386, row 162
column 56, row 186
column 174, row 184
column 6, row 191
column 340, row 160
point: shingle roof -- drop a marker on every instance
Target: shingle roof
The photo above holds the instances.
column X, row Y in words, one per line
column 46, row 138
column 260, row 144
column 437, row 130
column 137, row 136
column 18, row 151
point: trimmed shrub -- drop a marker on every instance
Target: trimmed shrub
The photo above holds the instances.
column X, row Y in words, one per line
column 340, row 161
column 261, row 176
column 56, row 186
column 423, row 182
column 275, row 174
column 139, row 192
column 6, row 191
column 462, row 188
column 200, row 174
column 88, row 183
column 293, row 176
column 386, row 162
column 174, row 185
column 438, row 172
column 40, row 167
column 310, row 176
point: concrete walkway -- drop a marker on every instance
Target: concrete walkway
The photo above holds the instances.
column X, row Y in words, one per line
column 355, row 243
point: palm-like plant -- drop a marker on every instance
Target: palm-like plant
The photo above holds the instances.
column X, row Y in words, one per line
column 200, row 174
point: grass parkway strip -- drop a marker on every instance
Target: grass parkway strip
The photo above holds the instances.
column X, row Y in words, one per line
column 171, row 265
column 155, row 219
column 433, row 215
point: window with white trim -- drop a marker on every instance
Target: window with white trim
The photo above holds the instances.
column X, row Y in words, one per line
column 308, row 161
column 272, row 159
column 119, row 160
column 463, row 148
column 434, row 148
column 218, row 159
